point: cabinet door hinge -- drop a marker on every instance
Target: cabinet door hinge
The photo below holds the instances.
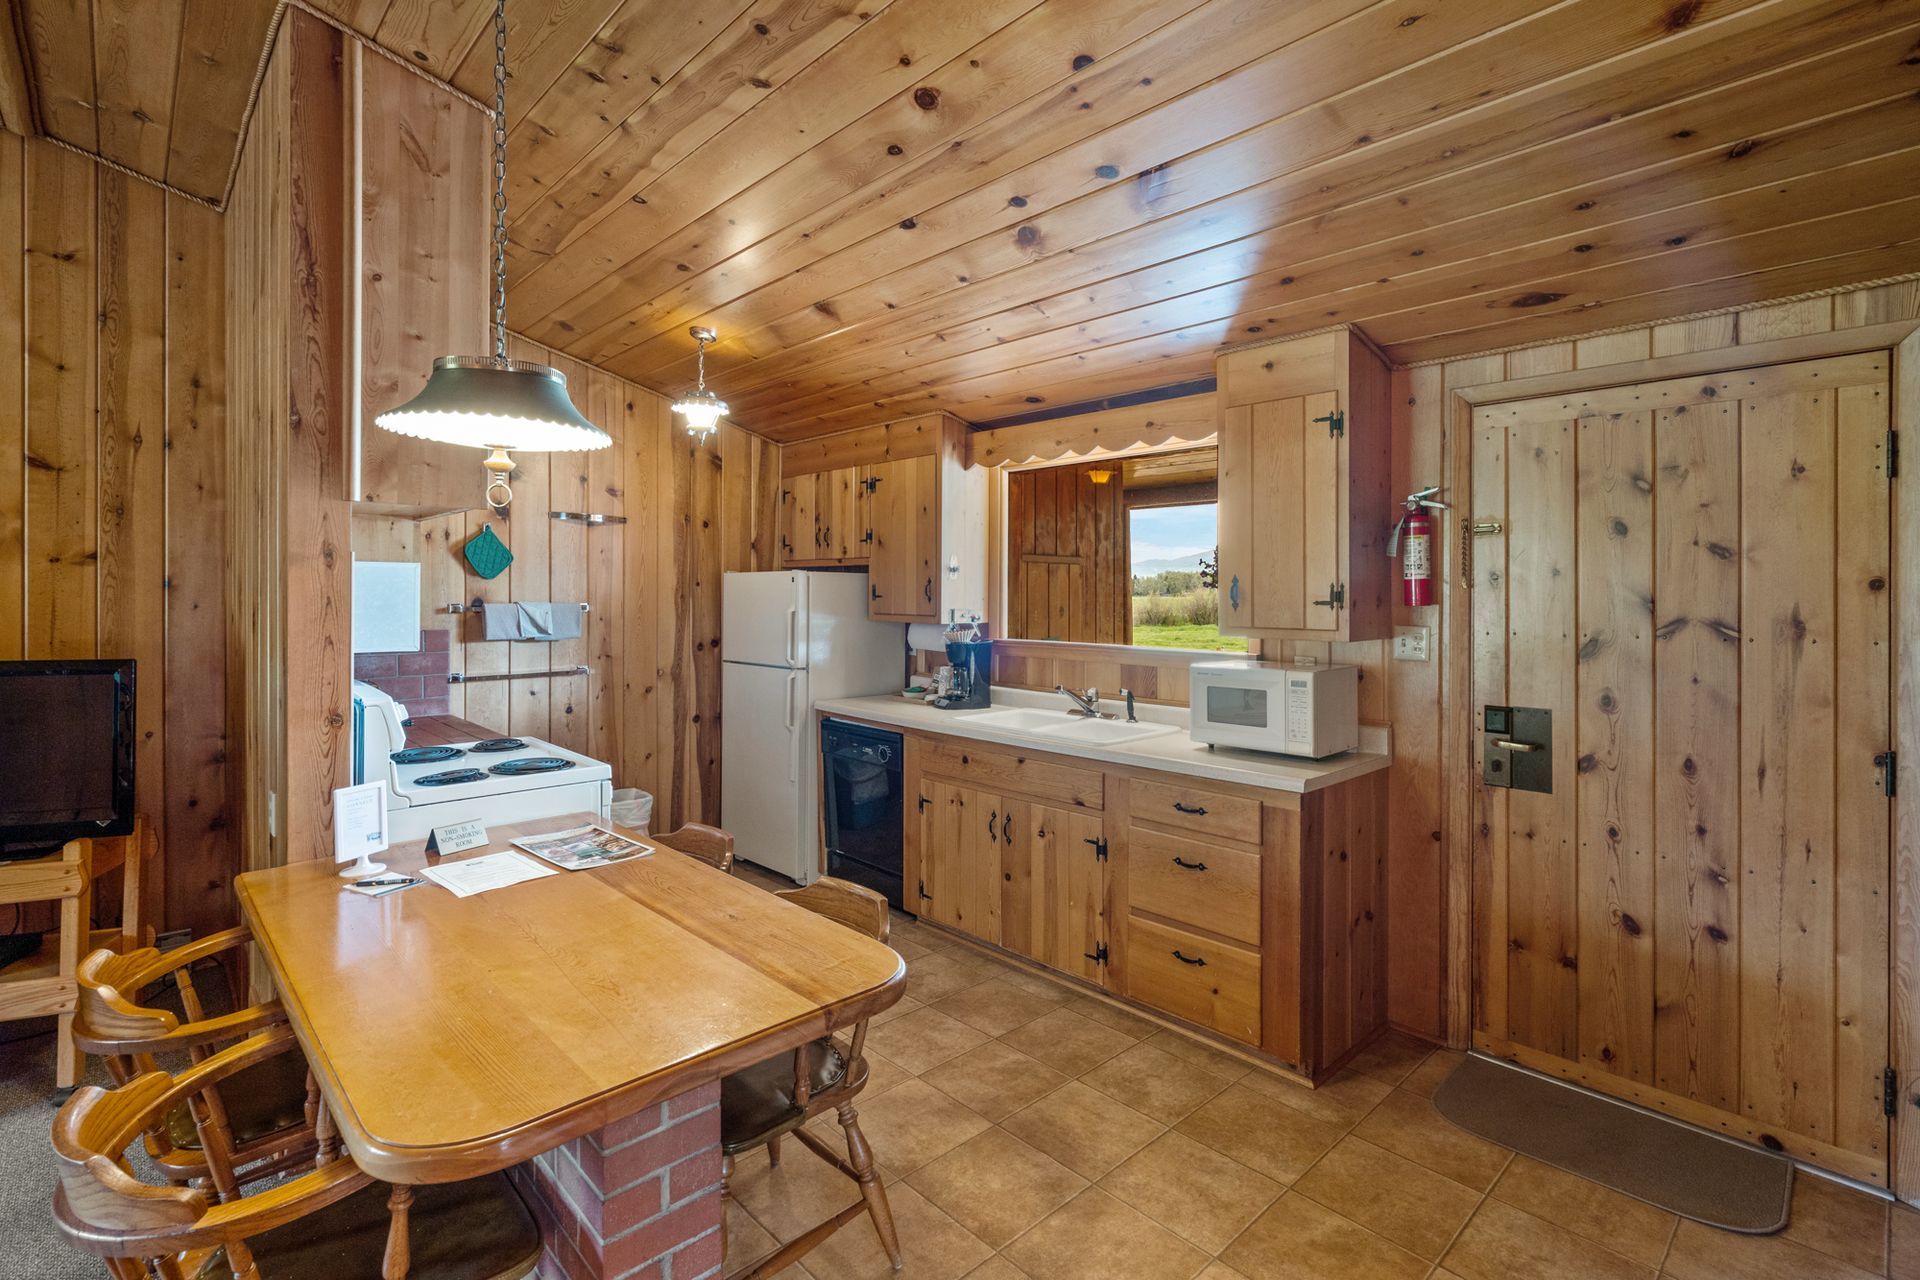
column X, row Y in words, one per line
column 924, row 802
column 1099, row 844
column 1098, row 955
column 1893, row 453
column 872, row 483
column 1888, row 763
column 1336, row 423
column 1890, row 1091
column 1336, row 597
column 923, row 891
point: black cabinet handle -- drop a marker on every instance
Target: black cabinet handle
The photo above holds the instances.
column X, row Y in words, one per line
column 1006, row 831
column 929, row 590
column 1188, row 959
column 1179, row 861
column 1195, row 810
column 993, row 818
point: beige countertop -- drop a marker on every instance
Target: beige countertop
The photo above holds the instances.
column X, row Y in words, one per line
column 1173, row 751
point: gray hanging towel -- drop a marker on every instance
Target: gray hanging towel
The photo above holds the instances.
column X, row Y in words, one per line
column 501, row 621
column 536, row 620
column 564, row 620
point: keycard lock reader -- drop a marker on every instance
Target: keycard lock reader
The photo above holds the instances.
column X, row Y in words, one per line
column 1519, row 748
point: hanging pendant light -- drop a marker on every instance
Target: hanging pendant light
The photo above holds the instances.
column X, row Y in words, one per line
column 703, row 409
column 491, row 402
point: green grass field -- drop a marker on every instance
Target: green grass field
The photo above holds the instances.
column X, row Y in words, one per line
column 1188, row 636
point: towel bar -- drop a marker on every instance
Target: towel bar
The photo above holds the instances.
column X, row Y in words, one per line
column 474, row 606
column 455, row 677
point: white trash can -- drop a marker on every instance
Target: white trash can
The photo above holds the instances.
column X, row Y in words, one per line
column 633, row 808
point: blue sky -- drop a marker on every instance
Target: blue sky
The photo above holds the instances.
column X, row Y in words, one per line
column 1163, row 533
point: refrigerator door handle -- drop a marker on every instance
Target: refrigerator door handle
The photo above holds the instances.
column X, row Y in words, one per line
column 793, row 738
column 793, row 642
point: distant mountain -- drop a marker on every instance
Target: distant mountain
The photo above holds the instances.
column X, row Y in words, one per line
column 1186, row 564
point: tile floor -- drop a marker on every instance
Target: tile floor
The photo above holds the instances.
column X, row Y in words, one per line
column 1025, row 1130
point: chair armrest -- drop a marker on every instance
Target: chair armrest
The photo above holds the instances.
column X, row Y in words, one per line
column 166, row 962
column 278, row 1205
column 228, row 1026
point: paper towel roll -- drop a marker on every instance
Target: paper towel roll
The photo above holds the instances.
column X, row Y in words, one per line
column 927, row 637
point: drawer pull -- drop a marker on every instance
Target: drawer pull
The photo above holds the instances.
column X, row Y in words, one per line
column 1006, row 831
column 992, row 819
column 1188, row 959
column 1179, row 861
column 1196, row 810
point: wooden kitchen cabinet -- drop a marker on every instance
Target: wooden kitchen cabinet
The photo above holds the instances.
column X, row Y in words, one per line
column 900, row 500
column 1252, row 915
column 1305, row 509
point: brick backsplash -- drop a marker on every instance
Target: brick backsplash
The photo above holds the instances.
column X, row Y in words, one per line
column 418, row 680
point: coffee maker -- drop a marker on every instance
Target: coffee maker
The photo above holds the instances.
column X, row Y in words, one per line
column 966, row 682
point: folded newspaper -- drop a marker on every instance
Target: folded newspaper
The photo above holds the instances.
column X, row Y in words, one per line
column 581, row 847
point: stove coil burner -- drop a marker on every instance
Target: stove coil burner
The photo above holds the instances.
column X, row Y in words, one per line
column 451, row 778
column 426, row 755
column 492, row 745
column 533, row 764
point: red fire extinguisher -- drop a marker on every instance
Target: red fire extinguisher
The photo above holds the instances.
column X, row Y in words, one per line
column 1415, row 530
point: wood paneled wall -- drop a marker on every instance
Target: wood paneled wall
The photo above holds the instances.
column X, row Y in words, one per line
column 650, row 703
column 1067, row 574
column 1423, row 820
column 112, row 435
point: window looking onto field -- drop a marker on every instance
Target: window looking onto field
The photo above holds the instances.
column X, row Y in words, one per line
column 1171, row 553
column 1109, row 552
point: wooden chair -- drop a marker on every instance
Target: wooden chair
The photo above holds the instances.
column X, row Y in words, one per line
column 329, row 1222
column 263, row 1118
column 710, row 845
column 43, row 984
column 771, row 1099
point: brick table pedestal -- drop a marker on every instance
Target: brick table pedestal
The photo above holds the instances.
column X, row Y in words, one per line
column 639, row 1200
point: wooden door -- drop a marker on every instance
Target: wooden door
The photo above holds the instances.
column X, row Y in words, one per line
column 842, row 514
column 1693, row 578
column 1073, row 851
column 1281, row 515
column 799, row 539
column 900, row 566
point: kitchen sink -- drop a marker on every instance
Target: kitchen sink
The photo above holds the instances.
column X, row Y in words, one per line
column 1063, row 726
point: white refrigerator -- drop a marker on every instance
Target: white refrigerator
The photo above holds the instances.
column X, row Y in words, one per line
column 789, row 639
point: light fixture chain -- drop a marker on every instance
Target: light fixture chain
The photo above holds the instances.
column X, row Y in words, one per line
column 500, row 179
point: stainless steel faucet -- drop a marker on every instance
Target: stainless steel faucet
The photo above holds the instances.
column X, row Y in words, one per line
column 1086, row 704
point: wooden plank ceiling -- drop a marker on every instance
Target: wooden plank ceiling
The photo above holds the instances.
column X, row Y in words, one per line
column 992, row 207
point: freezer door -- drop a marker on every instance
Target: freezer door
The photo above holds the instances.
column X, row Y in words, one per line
column 767, row 769
column 764, row 619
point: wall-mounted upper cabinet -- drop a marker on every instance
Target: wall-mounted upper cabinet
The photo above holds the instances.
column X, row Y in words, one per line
column 422, row 209
column 1305, row 451
column 899, row 500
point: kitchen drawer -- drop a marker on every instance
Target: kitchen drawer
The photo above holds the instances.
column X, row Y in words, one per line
column 1211, row 886
column 1215, row 984
column 1194, row 809
column 1007, row 769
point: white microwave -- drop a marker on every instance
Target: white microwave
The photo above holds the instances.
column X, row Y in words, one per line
column 1266, row 706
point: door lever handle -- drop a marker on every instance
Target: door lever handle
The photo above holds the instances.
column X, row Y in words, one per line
column 1515, row 746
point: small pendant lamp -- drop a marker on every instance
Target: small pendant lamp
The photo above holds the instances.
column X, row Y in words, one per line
column 703, row 409
column 491, row 402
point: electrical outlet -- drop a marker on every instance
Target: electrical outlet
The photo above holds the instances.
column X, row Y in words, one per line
column 1410, row 644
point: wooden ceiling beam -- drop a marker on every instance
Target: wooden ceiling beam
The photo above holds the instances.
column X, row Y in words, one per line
column 1065, row 104
column 1108, row 433
column 1743, row 141
column 1454, row 273
column 436, row 37
column 59, row 48
column 636, row 104
column 1677, row 298
column 545, row 41
column 864, row 72
column 136, row 61
column 220, row 48
column 1269, row 156
column 17, row 110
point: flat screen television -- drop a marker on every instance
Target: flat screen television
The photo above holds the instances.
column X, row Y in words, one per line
column 66, row 739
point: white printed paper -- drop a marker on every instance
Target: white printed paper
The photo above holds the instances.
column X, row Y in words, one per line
column 492, row 871
column 359, row 821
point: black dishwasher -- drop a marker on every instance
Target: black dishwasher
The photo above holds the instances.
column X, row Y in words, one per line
column 863, row 806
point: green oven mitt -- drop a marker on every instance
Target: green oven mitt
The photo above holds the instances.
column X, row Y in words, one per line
column 487, row 554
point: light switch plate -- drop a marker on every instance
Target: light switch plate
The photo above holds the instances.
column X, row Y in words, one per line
column 1410, row 644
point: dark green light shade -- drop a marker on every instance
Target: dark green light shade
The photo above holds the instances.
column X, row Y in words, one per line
column 495, row 404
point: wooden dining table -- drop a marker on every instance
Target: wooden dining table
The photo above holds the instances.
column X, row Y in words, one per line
column 554, row 1028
